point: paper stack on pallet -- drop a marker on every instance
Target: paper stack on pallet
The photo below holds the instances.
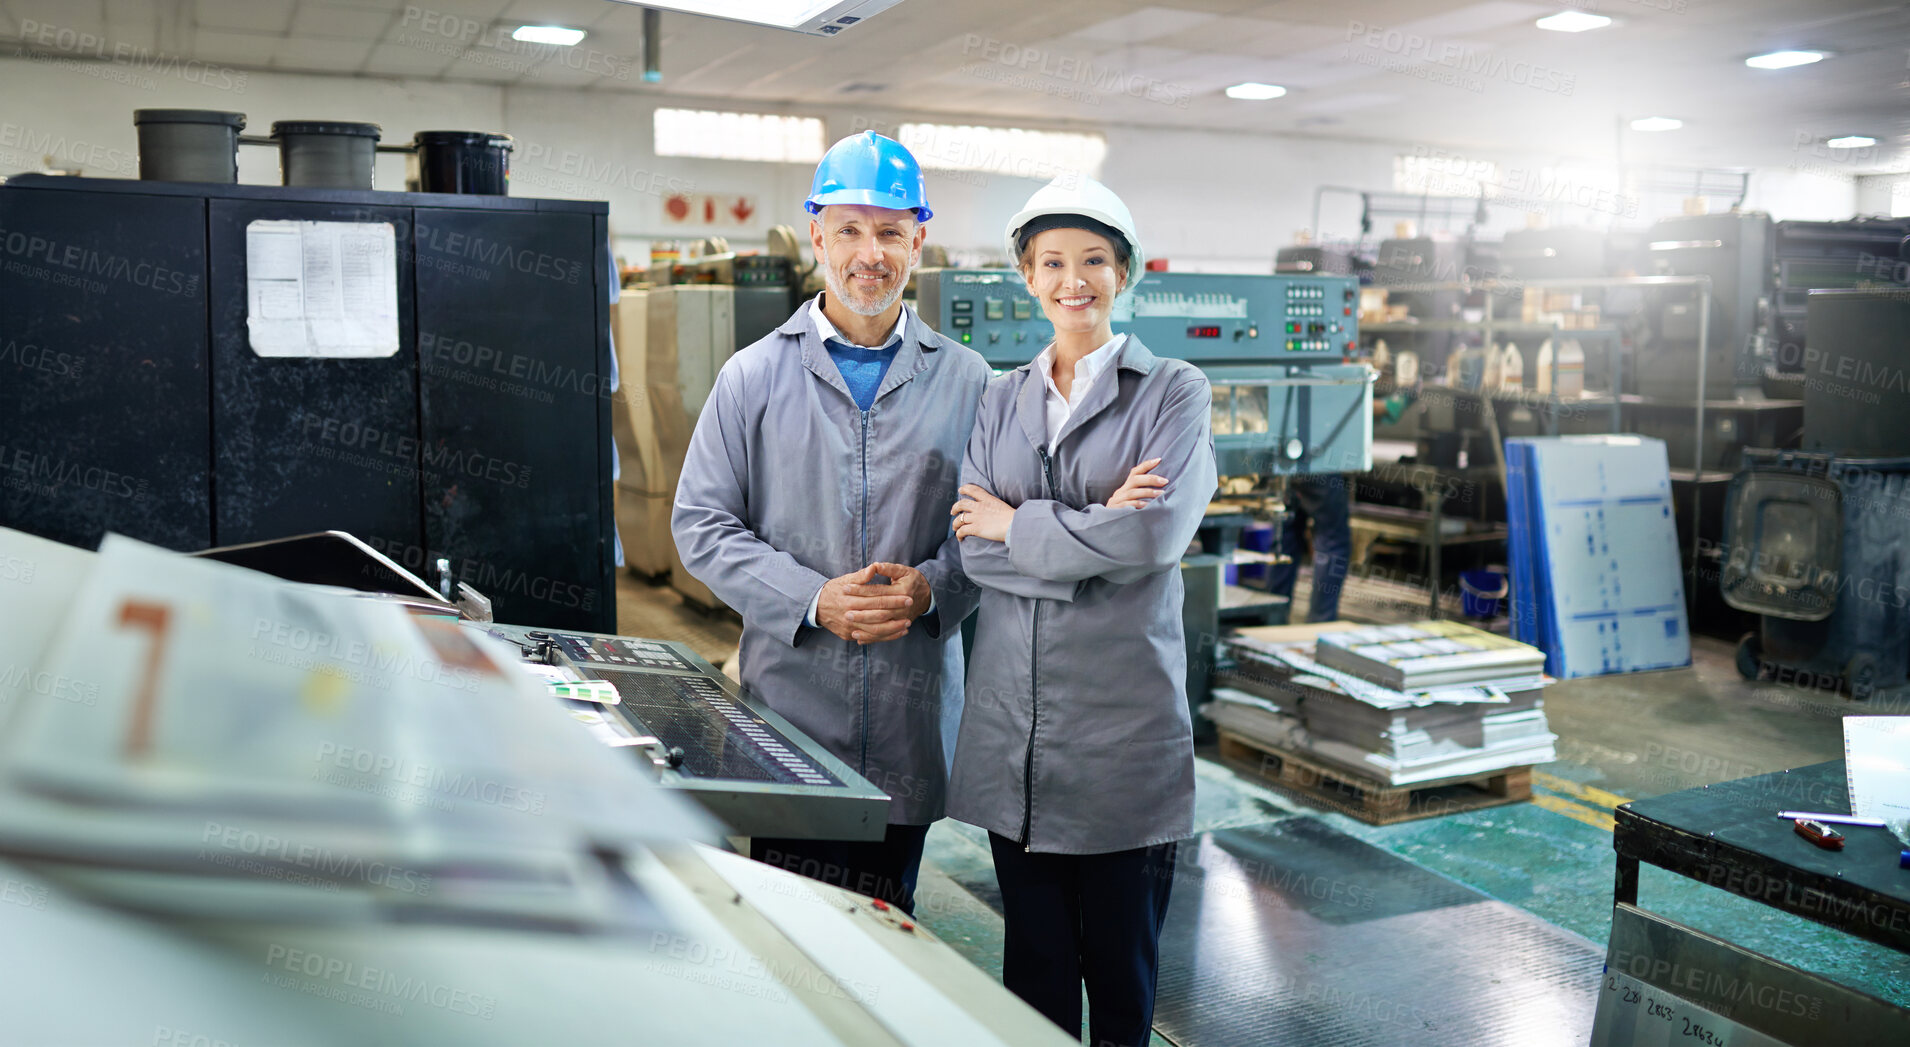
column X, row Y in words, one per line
column 1474, row 720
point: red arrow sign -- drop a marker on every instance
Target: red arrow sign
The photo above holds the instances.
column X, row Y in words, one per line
column 741, row 209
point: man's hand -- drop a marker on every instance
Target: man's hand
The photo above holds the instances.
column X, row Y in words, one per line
column 859, row 608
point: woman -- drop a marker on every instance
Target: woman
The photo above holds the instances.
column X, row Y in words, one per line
column 1076, row 751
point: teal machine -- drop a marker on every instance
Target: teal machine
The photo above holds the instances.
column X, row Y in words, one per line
column 1285, row 402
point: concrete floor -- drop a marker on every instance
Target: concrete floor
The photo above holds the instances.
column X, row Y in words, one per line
column 1620, row 738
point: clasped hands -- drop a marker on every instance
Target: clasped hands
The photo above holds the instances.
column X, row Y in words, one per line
column 980, row 514
column 860, row 608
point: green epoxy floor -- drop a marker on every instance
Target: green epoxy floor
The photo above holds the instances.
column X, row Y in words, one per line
column 1631, row 737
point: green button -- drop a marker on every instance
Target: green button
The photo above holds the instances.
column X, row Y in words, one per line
column 967, row 337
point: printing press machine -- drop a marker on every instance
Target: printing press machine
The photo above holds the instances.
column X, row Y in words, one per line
column 233, row 889
column 689, row 727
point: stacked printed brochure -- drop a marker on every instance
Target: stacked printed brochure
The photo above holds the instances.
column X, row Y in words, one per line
column 1423, row 655
column 1281, row 693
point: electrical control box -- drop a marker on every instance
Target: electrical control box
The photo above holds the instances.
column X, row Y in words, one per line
column 988, row 310
column 1205, row 318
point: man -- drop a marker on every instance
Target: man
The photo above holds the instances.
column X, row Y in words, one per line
column 1321, row 500
column 1324, row 500
column 814, row 500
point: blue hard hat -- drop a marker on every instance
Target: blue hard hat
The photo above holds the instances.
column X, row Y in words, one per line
column 870, row 170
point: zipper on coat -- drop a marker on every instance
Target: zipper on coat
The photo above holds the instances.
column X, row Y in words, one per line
column 865, row 560
column 1034, row 700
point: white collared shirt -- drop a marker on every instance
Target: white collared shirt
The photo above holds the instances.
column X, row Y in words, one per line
column 1087, row 371
column 826, row 330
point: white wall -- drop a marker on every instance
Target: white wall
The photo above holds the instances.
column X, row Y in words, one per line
column 1802, row 195
column 1884, row 194
column 1203, row 200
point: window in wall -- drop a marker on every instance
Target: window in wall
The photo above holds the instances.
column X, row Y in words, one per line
column 1014, row 151
column 738, row 136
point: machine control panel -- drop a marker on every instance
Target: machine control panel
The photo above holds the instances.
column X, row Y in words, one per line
column 1207, row 318
column 708, row 736
column 622, row 651
column 988, row 310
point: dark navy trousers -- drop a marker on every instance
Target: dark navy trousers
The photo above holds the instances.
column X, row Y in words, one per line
column 884, row 868
column 1323, row 500
column 1085, row 918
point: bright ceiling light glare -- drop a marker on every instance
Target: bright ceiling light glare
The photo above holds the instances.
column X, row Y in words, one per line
column 1783, row 59
column 784, row 14
column 1252, row 92
column 548, row 34
column 1656, row 123
column 1851, row 142
column 1572, row 22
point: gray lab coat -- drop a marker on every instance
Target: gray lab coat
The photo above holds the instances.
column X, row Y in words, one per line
column 1075, row 737
column 786, row 485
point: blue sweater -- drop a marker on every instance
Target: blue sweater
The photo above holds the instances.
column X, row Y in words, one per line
column 862, row 369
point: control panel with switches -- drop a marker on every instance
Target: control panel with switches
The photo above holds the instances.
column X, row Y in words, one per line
column 1206, row 318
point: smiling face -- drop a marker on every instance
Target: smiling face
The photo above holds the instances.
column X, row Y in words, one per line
column 1076, row 275
column 866, row 254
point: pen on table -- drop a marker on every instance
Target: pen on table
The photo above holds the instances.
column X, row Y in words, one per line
column 1834, row 819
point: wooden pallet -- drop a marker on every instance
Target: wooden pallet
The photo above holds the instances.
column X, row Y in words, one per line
column 1368, row 799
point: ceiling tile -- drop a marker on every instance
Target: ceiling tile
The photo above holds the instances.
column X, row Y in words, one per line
column 1346, row 101
column 1478, row 17
column 234, row 48
column 258, row 16
column 353, row 22
column 1143, row 26
column 405, row 60
column 319, row 54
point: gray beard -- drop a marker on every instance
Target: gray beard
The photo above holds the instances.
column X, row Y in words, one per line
column 841, row 294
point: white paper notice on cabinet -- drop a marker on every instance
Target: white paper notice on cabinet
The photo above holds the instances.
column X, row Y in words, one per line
column 321, row 289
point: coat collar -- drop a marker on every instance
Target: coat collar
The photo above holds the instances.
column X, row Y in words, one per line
column 911, row 353
column 1032, row 408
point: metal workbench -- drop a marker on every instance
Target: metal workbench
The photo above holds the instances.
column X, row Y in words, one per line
column 1728, row 835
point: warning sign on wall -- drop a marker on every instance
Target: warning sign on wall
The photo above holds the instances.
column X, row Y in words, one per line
column 708, row 209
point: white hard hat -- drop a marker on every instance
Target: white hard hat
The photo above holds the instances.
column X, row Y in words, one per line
column 1081, row 195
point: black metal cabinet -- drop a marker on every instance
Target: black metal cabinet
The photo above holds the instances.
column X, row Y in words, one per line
column 103, row 395
column 131, row 399
column 513, row 403
column 306, row 444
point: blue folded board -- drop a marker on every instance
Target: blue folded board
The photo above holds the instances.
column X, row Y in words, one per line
column 1597, row 583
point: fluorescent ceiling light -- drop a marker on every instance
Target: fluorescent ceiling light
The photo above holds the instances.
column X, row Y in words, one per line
column 1851, row 142
column 1783, row 59
column 1572, row 22
column 1656, row 123
column 815, row 17
column 548, row 34
column 1253, row 92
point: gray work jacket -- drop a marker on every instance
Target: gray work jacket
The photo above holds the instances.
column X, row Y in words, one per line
column 785, row 485
column 1075, row 737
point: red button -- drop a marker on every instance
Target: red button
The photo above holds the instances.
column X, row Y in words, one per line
column 1346, row 312
column 907, row 926
column 880, row 904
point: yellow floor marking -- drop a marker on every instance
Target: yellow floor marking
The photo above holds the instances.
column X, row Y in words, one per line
column 1589, row 793
column 1576, row 812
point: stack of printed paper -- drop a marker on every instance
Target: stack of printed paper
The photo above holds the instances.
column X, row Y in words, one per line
column 196, row 737
column 1277, row 694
